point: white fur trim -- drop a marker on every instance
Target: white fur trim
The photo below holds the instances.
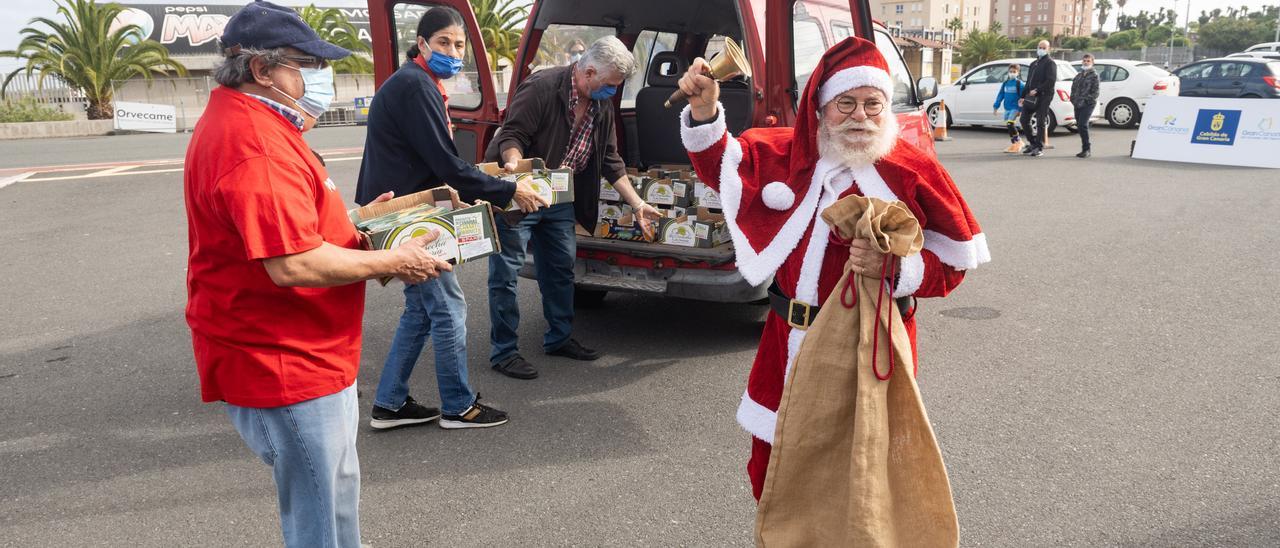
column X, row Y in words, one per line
column 700, row 138
column 964, row 255
column 910, row 275
column 778, row 196
column 872, row 184
column 855, row 77
column 757, row 419
column 757, row 267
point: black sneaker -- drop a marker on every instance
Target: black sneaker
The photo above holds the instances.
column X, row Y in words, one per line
column 516, row 367
column 410, row 413
column 1084, row 154
column 1037, row 152
column 575, row 351
column 1026, row 149
column 478, row 415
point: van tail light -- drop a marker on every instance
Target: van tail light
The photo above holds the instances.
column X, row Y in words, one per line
column 1272, row 81
column 1161, row 85
column 1066, row 97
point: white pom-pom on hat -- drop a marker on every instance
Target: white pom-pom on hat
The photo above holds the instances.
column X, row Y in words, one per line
column 777, row 195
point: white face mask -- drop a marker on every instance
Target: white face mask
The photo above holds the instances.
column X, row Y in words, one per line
column 1087, row 66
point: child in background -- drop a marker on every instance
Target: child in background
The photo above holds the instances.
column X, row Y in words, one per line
column 1009, row 93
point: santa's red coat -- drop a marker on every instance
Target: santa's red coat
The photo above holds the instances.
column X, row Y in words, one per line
column 773, row 213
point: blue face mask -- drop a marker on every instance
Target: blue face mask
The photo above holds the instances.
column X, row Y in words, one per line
column 1041, row 52
column 444, row 66
column 604, row 92
column 317, row 91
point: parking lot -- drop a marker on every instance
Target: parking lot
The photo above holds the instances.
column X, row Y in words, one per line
column 1110, row 379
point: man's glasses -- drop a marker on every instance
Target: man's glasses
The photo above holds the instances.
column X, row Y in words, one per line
column 307, row 61
column 870, row 107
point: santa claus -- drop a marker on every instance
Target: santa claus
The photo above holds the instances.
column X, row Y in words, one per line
column 775, row 183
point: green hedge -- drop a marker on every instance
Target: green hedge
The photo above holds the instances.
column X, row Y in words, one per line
column 28, row 110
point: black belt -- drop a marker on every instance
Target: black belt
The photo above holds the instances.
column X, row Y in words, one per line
column 801, row 315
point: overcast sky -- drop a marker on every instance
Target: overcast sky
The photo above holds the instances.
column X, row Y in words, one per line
column 14, row 14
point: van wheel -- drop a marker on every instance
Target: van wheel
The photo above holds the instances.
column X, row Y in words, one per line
column 1122, row 113
column 932, row 113
column 588, row 298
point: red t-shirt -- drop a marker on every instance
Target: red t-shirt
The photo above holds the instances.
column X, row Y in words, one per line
column 254, row 190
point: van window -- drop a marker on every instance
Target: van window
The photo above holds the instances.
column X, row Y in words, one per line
column 554, row 46
column 647, row 45
column 464, row 88
column 841, row 30
column 807, row 45
column 903, row 98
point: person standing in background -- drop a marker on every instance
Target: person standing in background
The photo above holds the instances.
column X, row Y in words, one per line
column 1036, row 96
column 409, row 149
column 1084, row 97
column 1009, row 96
column 565, row 116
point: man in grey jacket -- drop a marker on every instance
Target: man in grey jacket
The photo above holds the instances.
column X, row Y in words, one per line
column 1084, row 97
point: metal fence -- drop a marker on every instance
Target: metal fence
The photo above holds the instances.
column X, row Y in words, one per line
column 54, row 93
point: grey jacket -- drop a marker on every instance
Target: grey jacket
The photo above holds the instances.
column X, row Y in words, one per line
column 1084, row 89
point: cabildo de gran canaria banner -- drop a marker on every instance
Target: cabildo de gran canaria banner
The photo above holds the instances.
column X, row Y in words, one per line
column 1209, row 130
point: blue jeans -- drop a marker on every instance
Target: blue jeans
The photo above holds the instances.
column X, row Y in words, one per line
column 437, row 309
column 1083, row 114
column 311, row 448
column 555, row 248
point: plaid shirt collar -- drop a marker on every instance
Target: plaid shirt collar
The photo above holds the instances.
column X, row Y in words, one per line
column 579, row 148
column 290, row 115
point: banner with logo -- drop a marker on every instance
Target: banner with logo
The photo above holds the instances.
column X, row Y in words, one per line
column 146, row 117
column 193, row 29
column 1209, row 130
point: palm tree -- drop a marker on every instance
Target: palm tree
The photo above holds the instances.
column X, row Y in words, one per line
column 335, row 28
column 501, row 23
column 955, row 25
column 1104, row 11
column 86, row 52
column 981, row 47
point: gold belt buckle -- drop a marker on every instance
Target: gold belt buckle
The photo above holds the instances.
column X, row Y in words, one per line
column 791, row 314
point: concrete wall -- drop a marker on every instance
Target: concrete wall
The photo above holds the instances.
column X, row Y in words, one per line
column 42, row 130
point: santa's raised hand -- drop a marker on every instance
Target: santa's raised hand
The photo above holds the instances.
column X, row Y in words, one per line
column 703, row 91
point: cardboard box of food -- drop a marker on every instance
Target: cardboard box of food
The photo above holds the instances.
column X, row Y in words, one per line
column 554, row 185
column 705, row 196
column 659, row 192
column 465, row 232
column 610, row 194
column 704, row 229
column 612, row 212
column 628, row 228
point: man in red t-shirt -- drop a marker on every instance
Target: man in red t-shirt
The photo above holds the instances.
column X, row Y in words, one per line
column 275, row 274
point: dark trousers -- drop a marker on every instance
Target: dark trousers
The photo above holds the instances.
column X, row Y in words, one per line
column 1083, row 112
column 1035, row 133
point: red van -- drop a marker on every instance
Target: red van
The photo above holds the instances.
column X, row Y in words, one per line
column 665, row 35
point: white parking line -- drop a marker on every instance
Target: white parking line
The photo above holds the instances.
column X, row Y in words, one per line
column 115, row 171
column 19, row 177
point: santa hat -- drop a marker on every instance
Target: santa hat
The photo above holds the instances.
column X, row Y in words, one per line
column 852, row 63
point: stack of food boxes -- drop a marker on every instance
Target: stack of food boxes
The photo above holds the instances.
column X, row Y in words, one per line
column 463, row 232
column 691, row 210
column 553, row 185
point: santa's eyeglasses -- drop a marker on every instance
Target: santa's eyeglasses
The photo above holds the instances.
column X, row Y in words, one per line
column 870, row 107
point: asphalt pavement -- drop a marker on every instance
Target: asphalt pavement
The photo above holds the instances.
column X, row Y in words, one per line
column 1110, row 379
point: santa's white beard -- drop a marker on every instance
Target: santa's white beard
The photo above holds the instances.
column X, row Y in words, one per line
column 856, row 149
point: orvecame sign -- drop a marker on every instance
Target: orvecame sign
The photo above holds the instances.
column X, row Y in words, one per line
column 1210, row 130
column 146, row 117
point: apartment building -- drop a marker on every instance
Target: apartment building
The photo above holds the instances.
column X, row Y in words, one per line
column 928, row 18
column 1021, row 18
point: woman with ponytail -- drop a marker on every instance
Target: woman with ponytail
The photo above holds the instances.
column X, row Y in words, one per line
column 409, row 148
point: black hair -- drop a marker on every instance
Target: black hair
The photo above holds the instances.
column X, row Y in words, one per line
column 433, row 21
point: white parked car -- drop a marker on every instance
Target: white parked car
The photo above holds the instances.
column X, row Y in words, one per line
column 1265, row 47
column 969, row 100
column 1125, row 87
column 1259, row 54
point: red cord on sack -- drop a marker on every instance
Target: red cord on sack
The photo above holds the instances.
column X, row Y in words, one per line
column 849, row 299
column 886, row 270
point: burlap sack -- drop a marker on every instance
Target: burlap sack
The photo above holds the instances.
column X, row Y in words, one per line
column 855, row 462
